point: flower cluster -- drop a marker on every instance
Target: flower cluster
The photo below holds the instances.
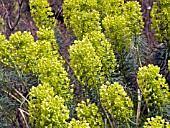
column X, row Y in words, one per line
column 122, row 24
column 85, row 62
column 42, row 14
column 104, row 51
column 81, row 16
column 133, row 14
column 41, row 58
column 161, row 20
column 153, row 85
column 46, row 109
column 116, row 101
column 156, row 122
column 78, row 124
column 89, row 112
column 117, row 32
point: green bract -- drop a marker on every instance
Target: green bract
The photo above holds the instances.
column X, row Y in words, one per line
column 156, row 122
column 46, row 34
column 17, row 50
column 117, row 32
column 122, row 26
column 109, row 7
column 116, row 101
column 153, row 85
column 46, row 109
column 104, row 51
column 161, row 20
column 133, row 14
column 50, row 70
column 47, row 64
column 40, row 57
column 81, row 16
column 78, row 124
column 21, row 49
column 92, row 58
column 118, row 20
column 85, row 62
column 89, row 112
column 41, row 13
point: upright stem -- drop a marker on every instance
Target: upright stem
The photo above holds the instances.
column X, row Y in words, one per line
column 139, row 106
column 138, row 90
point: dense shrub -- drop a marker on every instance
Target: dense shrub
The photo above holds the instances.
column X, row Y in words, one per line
column 105, row 31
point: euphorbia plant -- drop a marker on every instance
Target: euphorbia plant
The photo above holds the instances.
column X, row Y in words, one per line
column 103, row 29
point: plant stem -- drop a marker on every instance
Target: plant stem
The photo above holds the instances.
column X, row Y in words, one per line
column 11, row 96
column 138, row 90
